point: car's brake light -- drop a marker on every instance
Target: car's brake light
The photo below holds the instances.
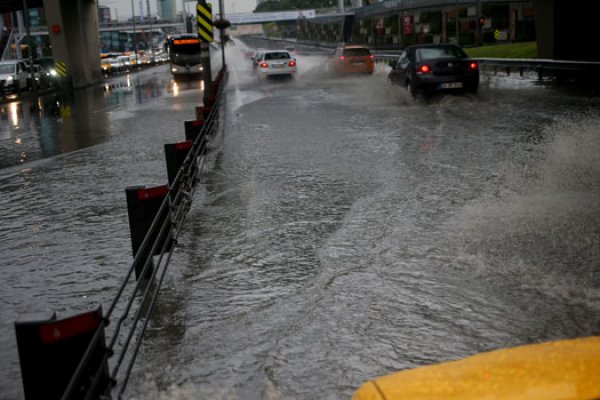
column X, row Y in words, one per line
column 342, row 58
column 292, row 63
column 473, row 66
column 264, row 65
column 372, row 57
column 424, row 69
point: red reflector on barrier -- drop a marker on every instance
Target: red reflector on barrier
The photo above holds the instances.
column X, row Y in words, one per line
column 66, row 328
column 144, row 194
column 184, row 145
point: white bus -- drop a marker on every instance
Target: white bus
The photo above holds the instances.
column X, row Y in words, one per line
column 184, row 56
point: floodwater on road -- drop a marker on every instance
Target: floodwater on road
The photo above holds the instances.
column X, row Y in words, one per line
column 342, row 232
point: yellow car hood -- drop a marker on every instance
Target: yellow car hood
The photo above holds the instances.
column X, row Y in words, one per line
column 564, row 369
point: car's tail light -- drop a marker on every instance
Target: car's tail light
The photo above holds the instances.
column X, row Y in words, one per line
column 342, row 58
column 424, row 69
column 473, row 66
column 292, row 63
column 372, row 57
column 264, row 65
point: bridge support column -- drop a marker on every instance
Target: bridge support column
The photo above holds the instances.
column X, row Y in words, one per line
column 73, row 29
column 565, row 30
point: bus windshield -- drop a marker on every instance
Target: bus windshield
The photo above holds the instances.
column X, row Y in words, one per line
column 185, row 55
column 185, row 50
column 186, row 46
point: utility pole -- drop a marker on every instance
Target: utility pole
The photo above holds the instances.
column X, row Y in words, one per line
column 135, row 42
column 478, row 38
column 29, row 46
column 150, row 18
column 222, row 32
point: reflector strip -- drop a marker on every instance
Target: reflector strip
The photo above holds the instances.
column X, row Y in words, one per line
column 61, row 68
column 184, row 145
column 186, row 41
column 144, row 194
column 64, row 329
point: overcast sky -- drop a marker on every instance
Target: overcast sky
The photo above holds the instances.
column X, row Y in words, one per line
column 121, row 9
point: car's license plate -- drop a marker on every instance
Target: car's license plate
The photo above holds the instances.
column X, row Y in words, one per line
column 451, row 85
column 357, row 63
column 277, row 65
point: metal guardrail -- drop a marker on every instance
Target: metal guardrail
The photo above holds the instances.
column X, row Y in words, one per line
column 91, row 379
column 177, row 206
column 543, row 67
column 578, row 70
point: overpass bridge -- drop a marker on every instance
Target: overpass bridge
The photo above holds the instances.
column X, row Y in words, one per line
column 561, row 28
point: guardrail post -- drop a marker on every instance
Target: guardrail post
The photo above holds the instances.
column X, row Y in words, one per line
column 51, row 350
column 203, row 111
column 143, row 205
column 175, row 154
column 192, row 129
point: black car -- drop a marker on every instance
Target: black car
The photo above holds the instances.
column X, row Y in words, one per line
column 430, row 68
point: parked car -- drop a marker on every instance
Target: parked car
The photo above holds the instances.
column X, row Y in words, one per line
column 352, row 59
column 13, row 76
column 430, row 68
column 276, row 62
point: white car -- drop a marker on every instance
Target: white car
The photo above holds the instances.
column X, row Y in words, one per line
column 13, row 76
column 276, row 62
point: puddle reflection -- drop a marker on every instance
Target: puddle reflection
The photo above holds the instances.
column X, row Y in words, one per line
column 36, row 128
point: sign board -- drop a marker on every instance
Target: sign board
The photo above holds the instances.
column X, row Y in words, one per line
column 256, row 18
column 407, row 25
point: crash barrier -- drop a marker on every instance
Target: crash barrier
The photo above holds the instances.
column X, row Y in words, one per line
column 68, row 358
column 585, row 71
column 544, row 68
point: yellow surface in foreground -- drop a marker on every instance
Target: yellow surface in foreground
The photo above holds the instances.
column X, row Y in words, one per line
column 565, row 369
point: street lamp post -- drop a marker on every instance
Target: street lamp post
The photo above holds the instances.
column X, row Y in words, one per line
column 222, row 35
column 135, row 43
column 29, row 46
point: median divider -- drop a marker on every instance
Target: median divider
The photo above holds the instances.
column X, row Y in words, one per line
column 68, row 359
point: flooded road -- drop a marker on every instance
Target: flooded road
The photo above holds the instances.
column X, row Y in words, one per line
column 343, row 232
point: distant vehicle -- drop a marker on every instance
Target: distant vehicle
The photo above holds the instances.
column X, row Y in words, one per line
column 276, row 62
column 13, row 76
column 430, row 68
column 45, row 73
column 185, row 56
column 111, row 66
column 46, row 67
column 125, row 63
column 352, row 59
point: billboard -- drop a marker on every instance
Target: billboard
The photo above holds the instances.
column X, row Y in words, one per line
column 257, row 18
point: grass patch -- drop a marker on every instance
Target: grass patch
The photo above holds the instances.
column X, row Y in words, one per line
column 512, row 50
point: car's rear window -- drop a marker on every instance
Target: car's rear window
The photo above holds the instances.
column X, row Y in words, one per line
column 357, row 52
column 440, row 52
column 277, row 56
